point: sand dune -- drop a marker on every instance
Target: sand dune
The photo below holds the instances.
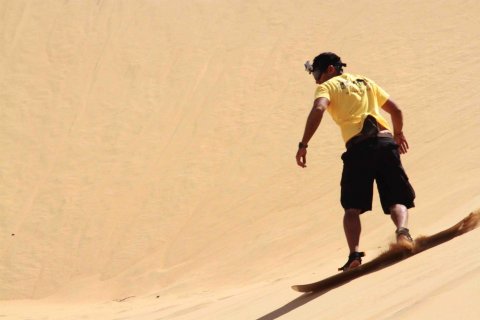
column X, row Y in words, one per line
column 147, row 158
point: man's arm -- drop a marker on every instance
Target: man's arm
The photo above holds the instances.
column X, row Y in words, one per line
column 313, row 121
column 397, row 120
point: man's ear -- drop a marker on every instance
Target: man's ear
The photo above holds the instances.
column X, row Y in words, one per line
column 331, row 69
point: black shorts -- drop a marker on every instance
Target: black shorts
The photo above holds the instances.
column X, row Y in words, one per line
column 374, row 159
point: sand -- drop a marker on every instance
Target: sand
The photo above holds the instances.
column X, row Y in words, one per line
column 147, row 158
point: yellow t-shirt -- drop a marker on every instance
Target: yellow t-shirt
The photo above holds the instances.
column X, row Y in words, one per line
column 352, row 99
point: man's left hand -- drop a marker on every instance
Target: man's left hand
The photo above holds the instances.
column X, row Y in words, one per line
column 402, row 142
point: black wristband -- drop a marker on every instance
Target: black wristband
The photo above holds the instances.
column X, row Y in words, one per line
column 301, row 145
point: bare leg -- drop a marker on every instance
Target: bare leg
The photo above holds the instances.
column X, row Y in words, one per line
column 352, row 228
column 399, row 215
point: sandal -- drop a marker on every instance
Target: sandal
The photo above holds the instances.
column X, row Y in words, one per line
column 354, row 260
column 403, row 235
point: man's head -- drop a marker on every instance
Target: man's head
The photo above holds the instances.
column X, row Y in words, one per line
column 325, row 66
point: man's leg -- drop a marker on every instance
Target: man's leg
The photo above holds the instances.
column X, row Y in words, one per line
column 356, row 197
column 352, row 228
column 394, row 188
column 399, row 215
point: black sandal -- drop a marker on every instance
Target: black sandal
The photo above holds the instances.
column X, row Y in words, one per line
column 354, row 260
column 405, row 233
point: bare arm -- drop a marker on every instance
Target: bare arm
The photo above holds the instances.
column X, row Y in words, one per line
column 313, row 121
column 397, row 120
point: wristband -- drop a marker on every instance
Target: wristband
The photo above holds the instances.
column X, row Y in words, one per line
column 301, row 145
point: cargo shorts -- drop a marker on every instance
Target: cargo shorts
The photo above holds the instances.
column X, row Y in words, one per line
column 374, row 159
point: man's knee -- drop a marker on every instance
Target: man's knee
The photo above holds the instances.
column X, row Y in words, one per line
column 397, row 209
column 353, row 212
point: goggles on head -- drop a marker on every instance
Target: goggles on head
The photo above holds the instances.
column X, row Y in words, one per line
column 309, row 66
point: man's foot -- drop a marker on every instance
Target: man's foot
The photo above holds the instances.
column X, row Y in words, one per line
column 404, row 238
column 354, row 260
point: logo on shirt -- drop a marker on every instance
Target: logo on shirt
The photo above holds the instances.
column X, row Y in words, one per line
column 359, row 86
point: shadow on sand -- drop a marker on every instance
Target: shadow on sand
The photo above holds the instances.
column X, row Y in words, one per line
column 392, row 256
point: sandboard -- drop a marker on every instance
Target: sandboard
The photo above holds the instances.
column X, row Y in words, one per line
column 394, row 254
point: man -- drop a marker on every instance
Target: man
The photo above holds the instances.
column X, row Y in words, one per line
column 373, row 148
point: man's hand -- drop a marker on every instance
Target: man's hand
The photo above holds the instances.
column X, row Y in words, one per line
column 401, row 141
column 397, row 120
column 302, row 157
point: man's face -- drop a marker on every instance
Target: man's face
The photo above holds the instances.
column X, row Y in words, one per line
column 319, row 76
column 322, row 76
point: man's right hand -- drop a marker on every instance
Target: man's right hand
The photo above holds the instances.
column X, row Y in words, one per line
column 302, row 157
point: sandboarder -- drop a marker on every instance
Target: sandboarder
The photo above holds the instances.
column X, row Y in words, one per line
column 373, row 148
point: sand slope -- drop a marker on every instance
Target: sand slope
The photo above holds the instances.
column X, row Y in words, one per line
column 147, row 151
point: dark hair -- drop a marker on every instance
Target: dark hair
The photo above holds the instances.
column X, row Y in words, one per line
column 325, row 59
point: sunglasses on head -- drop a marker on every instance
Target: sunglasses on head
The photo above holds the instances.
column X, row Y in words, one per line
column 309, row 67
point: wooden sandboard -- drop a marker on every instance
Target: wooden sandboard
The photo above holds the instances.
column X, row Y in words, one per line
column 394, row 254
